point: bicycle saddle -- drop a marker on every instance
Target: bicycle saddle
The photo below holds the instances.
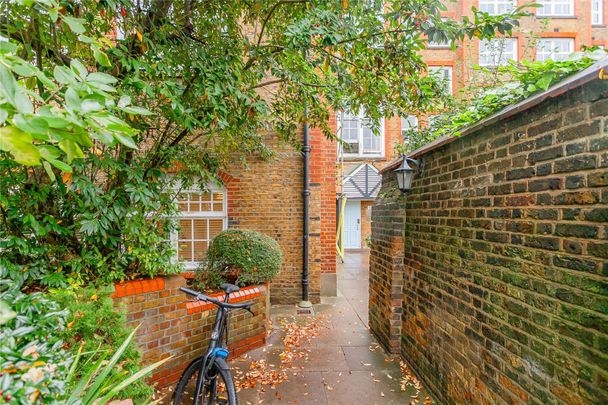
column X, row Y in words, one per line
column 229, row 288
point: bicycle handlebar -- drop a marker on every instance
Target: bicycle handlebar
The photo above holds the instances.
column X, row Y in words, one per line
column 203, row 297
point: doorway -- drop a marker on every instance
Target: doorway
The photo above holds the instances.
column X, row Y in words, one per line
column 352, row 225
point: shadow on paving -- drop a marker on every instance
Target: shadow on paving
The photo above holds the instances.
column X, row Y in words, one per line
column 342, row 365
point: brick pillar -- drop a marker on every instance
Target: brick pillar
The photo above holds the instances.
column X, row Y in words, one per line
column 386, row 265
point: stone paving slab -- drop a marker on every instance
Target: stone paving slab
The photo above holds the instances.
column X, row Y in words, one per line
column 344, row 365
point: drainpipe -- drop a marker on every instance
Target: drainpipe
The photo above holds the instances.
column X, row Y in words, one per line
column 305, row 303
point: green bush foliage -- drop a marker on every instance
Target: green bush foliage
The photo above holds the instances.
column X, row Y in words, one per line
column 33, row 362
column 242, row 256
column 95, row 326
column 520, row 81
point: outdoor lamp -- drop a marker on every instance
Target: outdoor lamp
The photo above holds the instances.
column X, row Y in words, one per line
column 405, row 174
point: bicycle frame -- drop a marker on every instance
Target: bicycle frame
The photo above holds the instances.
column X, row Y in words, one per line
column 219, row 334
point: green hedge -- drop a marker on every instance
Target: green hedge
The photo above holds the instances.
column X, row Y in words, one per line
column 240, row 256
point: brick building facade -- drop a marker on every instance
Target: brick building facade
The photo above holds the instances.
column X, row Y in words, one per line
column 267, row 195
column 489, row 277
column 555, row 30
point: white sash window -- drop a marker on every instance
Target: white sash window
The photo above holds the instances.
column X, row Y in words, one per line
column 554, row 48
column 497, row 51
column 358, row 137
column 202, row 216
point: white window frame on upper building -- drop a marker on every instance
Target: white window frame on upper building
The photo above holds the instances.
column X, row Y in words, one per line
column 554, row 8
column 597, row 12
column 545, row 48
column 358, row 124
column 497, row 7
column 497, row 51
column 449, row 83
column 200, row 214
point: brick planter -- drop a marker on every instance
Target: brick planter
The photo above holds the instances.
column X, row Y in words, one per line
column 173, row 326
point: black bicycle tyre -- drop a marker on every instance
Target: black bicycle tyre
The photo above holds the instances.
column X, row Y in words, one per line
column 223, row 371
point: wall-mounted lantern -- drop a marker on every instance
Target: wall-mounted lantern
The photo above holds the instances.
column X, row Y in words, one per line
column 405, row 174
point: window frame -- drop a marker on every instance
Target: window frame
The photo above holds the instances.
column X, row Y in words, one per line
column 600, row 13
column 571, row 47
column 223, row 215
column 451, row 75
column 496, row 4
column 552, row 4
column 497, row 58
column 360, row 154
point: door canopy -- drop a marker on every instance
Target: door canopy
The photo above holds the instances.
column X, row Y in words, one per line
column 362, row 183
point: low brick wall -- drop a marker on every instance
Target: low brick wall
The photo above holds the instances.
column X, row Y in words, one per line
column 171, row 325
column 493, row 269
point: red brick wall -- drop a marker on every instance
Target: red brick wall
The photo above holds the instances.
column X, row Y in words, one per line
column 266, row 196
column 172, row 326
column 323, row 177
column 496, row 263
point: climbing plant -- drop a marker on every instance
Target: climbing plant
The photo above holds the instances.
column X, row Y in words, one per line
column 522, row 79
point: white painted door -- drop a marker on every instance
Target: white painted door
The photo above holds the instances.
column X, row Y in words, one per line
column 352, row 225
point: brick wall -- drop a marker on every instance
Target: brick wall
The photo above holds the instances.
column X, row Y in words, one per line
column 504, row 295
column 386, row 265
column 323, row 178
column 172, row 326
column 266, row 196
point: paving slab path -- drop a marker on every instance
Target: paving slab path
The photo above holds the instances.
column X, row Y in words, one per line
column 342, row 365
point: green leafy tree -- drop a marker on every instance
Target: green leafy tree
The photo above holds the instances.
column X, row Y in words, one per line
column 208, row 79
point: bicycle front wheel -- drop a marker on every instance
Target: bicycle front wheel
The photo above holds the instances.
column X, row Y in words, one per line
column 218, row 389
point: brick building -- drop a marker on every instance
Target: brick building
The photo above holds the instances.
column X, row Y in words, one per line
column 267, row 196
column 558, row 28
column 489, row 276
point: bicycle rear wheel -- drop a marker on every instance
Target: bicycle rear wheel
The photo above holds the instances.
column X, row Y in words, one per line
column 218, row 389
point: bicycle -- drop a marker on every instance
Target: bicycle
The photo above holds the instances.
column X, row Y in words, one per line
column 199, row 383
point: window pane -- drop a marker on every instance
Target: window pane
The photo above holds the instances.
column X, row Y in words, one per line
column 185, row 229
column 597, row 12
column 555, row 8
column 497, row 51
column 554, row 48
column 215, row 227
column 496, row 7
column 444, row 75
column 205, row 219
column 218, row 202
column 200, row 248
column 185, row 251
column 200, row 229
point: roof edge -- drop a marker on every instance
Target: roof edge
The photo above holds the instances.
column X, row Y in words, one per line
column 569, row 83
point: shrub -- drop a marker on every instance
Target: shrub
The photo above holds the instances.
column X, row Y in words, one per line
column 95, row 326
column 241, row 256
column 33, row 363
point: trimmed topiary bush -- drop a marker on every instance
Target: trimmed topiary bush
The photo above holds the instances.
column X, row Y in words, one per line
column 240, row 256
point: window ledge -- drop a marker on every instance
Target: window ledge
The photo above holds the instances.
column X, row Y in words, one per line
column 598, row 25
column 363, row 158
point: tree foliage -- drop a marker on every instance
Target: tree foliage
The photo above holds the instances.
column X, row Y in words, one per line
column 103, row 99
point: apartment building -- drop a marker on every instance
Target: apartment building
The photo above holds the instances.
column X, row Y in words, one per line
column 556, row 29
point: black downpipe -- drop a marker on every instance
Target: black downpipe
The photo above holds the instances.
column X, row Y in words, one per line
column 306, row 195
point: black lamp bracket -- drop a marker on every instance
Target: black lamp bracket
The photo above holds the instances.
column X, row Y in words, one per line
column 419, row 163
